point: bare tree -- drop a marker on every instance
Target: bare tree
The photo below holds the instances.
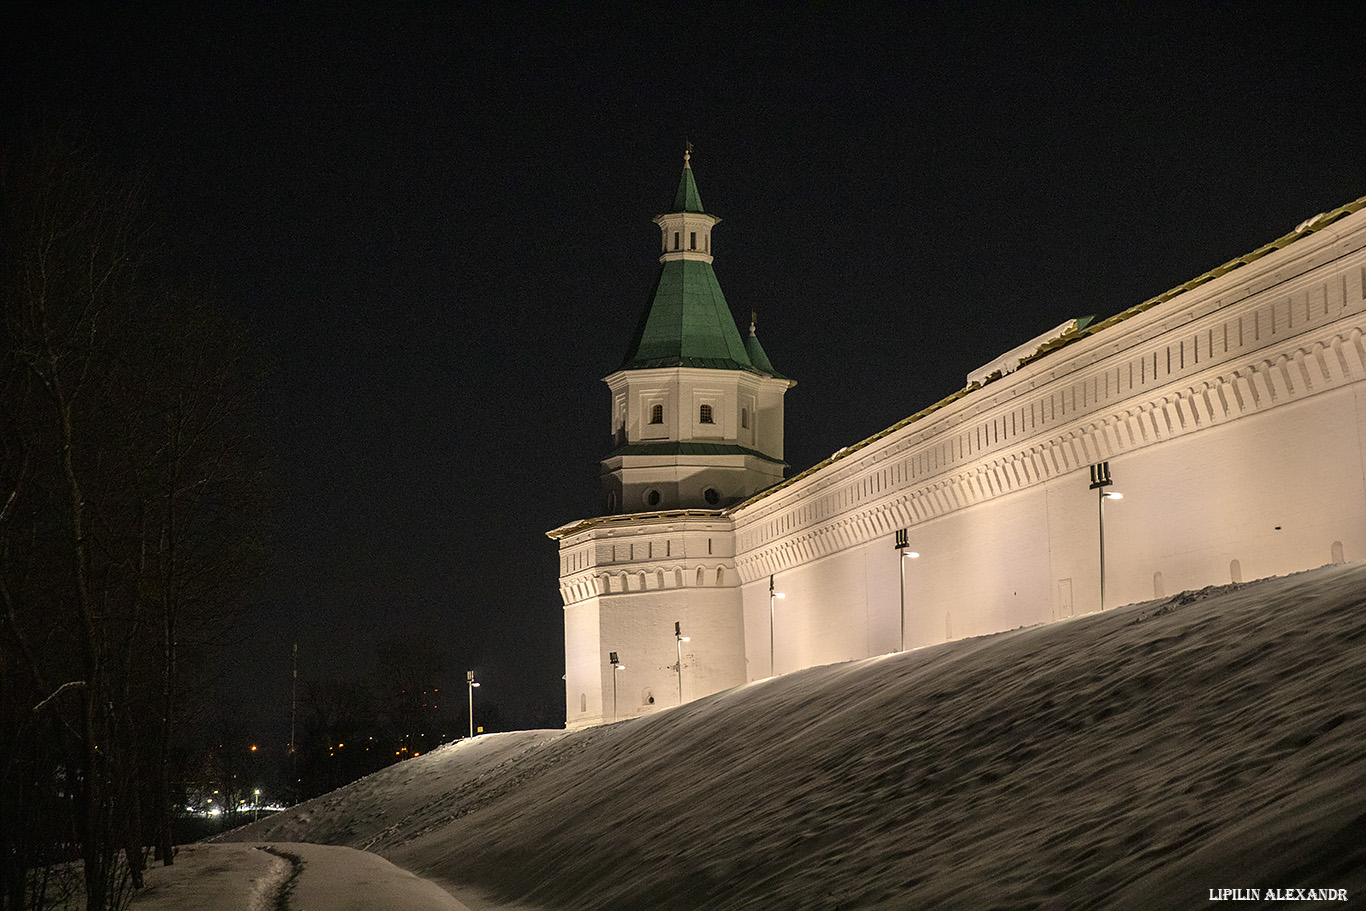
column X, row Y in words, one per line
column 129, row 491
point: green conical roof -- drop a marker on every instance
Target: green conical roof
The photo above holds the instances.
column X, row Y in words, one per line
column 688, row 323
column 687, row 198
column 757, row 357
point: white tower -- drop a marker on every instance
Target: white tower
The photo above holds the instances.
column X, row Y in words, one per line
column 697, row 426
column 697, row 412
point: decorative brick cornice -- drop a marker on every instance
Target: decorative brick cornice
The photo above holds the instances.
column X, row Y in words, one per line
column 1270, row 334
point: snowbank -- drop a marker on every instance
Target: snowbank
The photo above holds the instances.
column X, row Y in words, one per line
column 1133, row 759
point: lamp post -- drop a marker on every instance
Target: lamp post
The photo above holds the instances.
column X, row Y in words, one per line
column 1100, row 479
column 680, row 638
column 256, row 806
column 772, row 595
column 616, row 666
column 903, row 545
column 469, row 678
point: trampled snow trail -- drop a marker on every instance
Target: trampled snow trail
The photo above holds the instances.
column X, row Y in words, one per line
column 247, row 877
column 1132, row 759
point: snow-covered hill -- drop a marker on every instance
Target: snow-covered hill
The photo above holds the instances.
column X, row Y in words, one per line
column 1134, row 759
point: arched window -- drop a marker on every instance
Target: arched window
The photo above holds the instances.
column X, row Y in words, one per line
column 642, row 582
column 720, row 575
column 675, row 240
column 678, row 578
column 701, row 577
column 657, row 414
column 659, row 579
column 704, row 415
column 692, row 240
column 583, row 702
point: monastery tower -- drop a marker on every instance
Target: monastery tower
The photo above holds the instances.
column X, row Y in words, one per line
column 697, row 412
column 697, row 426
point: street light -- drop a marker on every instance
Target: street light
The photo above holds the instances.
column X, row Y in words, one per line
column 256, row 806
column 1100, row 479
column 678, row 635
column 771, row 596
column 902, row 544
column 469, row 678
column 616, row 666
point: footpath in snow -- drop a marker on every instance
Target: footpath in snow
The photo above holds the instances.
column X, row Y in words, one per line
column 1146, row 757
column 246, row 877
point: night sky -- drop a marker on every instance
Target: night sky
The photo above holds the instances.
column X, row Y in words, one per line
column 437, row 218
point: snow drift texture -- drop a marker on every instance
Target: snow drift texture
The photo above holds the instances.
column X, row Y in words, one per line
column 1132, row 759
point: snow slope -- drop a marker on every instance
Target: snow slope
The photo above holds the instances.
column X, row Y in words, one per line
column 1133, row 759
column 240, row 877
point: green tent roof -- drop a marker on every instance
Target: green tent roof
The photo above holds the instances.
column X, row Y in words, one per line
column 688, row 323
column 687, row 198
column 757, row 357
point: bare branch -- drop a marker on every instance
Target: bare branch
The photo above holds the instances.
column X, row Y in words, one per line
column 69, row 685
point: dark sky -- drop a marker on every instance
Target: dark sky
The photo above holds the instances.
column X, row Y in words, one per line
column 437, row 217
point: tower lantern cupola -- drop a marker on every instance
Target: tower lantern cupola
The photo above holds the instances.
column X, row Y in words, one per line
column 687, row 229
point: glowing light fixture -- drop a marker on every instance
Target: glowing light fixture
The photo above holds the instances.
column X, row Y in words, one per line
column 680, row 639
column 616, row 666
column 469, row 678
column 1100, row 479
column 772, row 597
column 903, row 544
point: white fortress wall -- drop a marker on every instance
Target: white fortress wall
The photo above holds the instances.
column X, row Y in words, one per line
column 582, row 673
column 1233, row 417
column 642, row 627
column 625, row 581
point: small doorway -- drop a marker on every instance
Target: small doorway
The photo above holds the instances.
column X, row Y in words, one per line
column 1064, row 607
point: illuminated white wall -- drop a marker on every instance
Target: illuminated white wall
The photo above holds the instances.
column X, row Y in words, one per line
column 582, row 677
column 1233, row 418
column 626, row 581
column 643, row 625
